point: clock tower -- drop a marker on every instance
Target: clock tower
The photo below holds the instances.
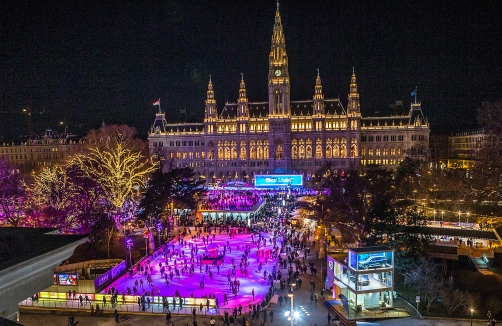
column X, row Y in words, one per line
column 279, row 112
column 278, row 75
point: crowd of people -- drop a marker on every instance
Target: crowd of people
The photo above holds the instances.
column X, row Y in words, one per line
column 230, row 200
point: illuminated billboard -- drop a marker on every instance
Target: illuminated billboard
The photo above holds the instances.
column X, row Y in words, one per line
column 278, row 180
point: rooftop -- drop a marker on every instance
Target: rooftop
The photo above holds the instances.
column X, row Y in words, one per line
column 21, row 244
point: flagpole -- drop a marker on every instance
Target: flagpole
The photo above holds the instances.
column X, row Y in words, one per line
column 416, row 87
column 160, row 111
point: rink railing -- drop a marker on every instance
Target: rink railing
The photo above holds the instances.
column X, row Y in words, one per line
column 128, row 307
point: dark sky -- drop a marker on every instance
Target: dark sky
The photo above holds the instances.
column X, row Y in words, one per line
column 82, row 62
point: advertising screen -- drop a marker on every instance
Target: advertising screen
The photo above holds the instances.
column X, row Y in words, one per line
column 374, row 260
column 67, row 279
column 55, row 279
column 278, row 180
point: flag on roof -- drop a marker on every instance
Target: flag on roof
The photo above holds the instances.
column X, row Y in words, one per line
column 156, row 102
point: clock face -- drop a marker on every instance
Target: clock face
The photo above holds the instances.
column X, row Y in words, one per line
column 278, row 73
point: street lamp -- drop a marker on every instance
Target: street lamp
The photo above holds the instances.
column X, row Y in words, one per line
column 290, row 294
column 468, row 217
column 146, row 235
column 434, row 216
column 442, row 216
column 159, row 230
column 458, row 217
column 472, row 311
column 129, row 245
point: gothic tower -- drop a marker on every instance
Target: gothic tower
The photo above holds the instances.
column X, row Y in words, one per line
column 242, row 108
column 210, row 112
column 353, row 104
column 279, row 112
column 278, row 74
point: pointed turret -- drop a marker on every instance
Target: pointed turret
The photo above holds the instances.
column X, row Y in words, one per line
column 353, row 104
column 210, row 112
column 318, row 96
column 242, row 110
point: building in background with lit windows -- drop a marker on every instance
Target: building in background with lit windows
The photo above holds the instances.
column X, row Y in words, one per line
column 282, row 135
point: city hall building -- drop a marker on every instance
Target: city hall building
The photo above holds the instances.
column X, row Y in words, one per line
column 281, row 135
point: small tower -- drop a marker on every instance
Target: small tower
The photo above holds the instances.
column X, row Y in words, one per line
column 210, row 112
column 243, row 108
column 318, row 97
column 353, row 104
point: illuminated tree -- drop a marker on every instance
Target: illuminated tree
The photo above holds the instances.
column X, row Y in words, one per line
column 11, row 193
column 116, row 164
column 52, row 194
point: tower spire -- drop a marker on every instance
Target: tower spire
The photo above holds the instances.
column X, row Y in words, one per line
column 318, row 96
column 353, row 106
column 242, row 110
column 210, row 101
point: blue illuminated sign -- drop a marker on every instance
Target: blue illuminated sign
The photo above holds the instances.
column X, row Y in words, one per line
column 278, row 180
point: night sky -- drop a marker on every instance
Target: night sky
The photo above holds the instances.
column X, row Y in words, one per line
column 84, row 62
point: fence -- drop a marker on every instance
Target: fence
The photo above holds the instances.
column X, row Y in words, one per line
column 129, row 307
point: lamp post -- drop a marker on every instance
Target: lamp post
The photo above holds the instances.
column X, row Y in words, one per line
column 159, row 230
column 290, row 294
column 459, row 217
column 434, row 216
column 129, row 245
column 468, row 217
column 442, row 216
column 472, row 311
column 145, row 235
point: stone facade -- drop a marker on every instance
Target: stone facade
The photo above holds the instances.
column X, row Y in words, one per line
column 284, row 136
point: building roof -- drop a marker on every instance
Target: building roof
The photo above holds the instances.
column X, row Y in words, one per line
column 21, row 244
column 370, row 249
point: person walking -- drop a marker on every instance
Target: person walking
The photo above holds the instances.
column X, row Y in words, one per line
column 168, row 317
column 116, row 315
column 92, row 310
column 329, row 318
column 271, row 316
column 70, row 320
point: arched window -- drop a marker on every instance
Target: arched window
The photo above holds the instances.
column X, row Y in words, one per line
column 259, row 150
column 265, row 150
column 393, row 151
column 294, row 149
column 278, row 150
column 308, row 151
column 221, row 154
column 318, row 151
column 385, row 151
column 243, row 154
column 227, row 150
column 353, row 147
column 329, row 151
column 399, row 151
column 343, row 151
column 252, row 150
column 233, row 150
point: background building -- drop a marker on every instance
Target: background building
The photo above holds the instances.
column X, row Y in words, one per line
column 287, row 136
column 45, row 150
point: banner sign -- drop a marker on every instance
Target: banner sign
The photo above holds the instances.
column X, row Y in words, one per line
column 345, row 302
column 278, row 180
column 110, row 276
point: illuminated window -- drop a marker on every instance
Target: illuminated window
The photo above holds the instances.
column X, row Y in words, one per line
column 243, row 154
